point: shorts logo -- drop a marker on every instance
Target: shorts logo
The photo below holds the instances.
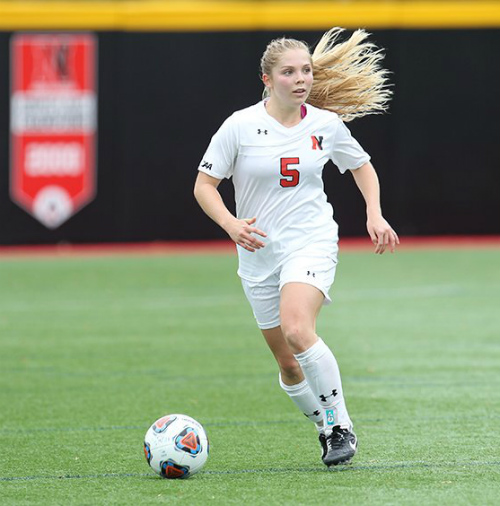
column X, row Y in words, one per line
column 313, row 274
column 330, row 417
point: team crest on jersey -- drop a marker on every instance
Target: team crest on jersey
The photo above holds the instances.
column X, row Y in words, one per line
column 317, row 141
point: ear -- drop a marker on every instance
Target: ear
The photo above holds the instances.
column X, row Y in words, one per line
column 266, row 80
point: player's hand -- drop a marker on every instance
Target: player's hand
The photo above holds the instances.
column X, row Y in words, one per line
column 241, row 232
column 382, row 234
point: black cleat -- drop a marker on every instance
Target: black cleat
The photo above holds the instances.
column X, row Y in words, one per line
column 324, row 446
column 339, row 447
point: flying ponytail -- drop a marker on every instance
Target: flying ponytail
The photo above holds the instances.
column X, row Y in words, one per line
column 348, row 77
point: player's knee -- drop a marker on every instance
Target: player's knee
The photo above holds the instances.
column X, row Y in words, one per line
column 291, row 331
column 297, row 336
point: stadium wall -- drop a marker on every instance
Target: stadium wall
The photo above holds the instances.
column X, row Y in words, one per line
column 168, row 77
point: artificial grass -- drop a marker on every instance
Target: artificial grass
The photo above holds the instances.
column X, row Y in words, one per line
column 95, row 349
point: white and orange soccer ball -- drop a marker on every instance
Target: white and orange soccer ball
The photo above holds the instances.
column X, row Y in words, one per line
column 176, row 446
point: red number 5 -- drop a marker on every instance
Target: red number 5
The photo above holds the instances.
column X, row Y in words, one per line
column 291, row 175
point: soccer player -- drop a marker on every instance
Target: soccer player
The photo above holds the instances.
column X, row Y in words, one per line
column 284, row 229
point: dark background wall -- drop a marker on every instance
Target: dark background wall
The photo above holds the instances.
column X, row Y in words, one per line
column 162, row 96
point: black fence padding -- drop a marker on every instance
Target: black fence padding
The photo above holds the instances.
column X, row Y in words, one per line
column 163, row 95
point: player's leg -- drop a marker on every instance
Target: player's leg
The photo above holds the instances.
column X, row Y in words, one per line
column 292, row 379
column 302, row 295
column 300, row 305
column 264, row 298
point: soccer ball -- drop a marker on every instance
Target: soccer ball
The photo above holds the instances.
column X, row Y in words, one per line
column 176, row 446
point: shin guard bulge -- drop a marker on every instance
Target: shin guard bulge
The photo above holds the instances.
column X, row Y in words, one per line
column 322, row 373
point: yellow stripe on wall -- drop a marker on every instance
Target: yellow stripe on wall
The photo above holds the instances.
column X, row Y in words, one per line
column 208, row 15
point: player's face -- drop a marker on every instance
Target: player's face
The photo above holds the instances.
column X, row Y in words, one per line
column 291, row 79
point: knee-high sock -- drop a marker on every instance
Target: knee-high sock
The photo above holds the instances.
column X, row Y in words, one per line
column 305, row 400
column 323, row 377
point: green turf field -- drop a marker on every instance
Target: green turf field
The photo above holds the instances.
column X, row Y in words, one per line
column 93, row 350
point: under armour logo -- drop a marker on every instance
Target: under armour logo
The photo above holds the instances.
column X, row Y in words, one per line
column 323, row 398
column 317, row 142
column 259, row 131
column 313, row 274
column 314, row 413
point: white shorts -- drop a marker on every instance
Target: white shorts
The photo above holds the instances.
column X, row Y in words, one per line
column 264, row 296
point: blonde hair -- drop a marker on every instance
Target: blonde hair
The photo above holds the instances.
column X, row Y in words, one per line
column 273, row 53
column 348, row 77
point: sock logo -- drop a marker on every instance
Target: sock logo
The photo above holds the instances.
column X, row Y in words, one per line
column 324, row 398
column 330, row 417
column 314, row 413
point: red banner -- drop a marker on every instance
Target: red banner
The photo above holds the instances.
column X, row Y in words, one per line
column 53, row 124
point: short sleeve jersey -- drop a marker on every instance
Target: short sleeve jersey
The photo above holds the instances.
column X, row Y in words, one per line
column 277, row 177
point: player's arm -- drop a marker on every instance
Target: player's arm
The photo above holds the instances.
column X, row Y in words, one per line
column 380, row 231
column 241, row 231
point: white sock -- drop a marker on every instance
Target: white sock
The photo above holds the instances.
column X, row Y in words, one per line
column 323, row 377
column 305, row 400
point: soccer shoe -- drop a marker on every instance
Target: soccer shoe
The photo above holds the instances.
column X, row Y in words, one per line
column 324, row 446
column 341, row 446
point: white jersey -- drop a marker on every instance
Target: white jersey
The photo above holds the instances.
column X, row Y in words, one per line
column 277, row 177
